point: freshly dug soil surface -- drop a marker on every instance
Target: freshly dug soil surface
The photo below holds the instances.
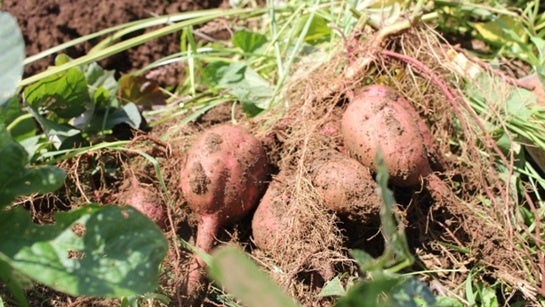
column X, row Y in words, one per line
column 48, row 23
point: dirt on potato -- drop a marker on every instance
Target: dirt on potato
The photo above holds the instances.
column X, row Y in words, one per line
column 347, row 188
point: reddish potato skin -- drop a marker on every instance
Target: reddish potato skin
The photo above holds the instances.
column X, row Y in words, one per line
column 153, row 212
column 221, row 180
column 270, row 221
column 225, row 173
column 142, row 199
column 377, row 118
column 346, row 187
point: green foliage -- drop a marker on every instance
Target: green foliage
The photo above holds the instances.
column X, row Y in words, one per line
column 11, row 57
column 97, row 250
column 318, row 30
column 478, row 294
column 94, row 250
column 396, row 253
column 18, row 179
column 249, row 42
column 244, row 83
column 253, row 67
column 232, row 268
column 74, row 107
column 333, row 287
column 241, row 81
column 63, row 95
column 383, row 290
column 117, row 253
column 507, row 31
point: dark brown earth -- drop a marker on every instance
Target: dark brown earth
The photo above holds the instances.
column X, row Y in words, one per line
column 46, row 24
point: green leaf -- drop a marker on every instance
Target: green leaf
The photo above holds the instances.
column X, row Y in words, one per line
column 470, row 295
column 396, row 251
column 540, row 45
column 232, row 268
column 444, row 301
column 32, row 180
column 369, row 293
column 103, row 251
column 62, row 59
column 14, row 281
column 318, row 31
column 12, row 53
column 366, row 262
column 56, row 132
column 488, row 296
column 333, row 287
column 102, row 88
column 17, row 179
column 249, row 42
column 383, row 290
column 102, row 98
column 497, row 32
column 521, row 104
column 64, row 94
column 10, row 110
column 220, row 74
column 20, row 125
column 244, row 83
column 33, row 145
column 104, row 120
column 127, row 114
column 99, row 80
column 504, row 141
column 412, row 293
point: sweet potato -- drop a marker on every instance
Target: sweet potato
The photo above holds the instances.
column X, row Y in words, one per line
column 139, row 198
column 346, row 187
column 378, row 118
column 143, row 198
column 270, row 221
column 285, row 229
column 222, row 180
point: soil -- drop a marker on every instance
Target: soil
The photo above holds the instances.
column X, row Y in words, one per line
column 46, row 24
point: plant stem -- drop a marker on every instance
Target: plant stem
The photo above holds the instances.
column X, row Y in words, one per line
column 361, row 64
column 18, row 120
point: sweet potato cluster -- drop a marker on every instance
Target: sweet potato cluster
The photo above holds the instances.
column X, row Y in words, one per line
column 226, row 173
